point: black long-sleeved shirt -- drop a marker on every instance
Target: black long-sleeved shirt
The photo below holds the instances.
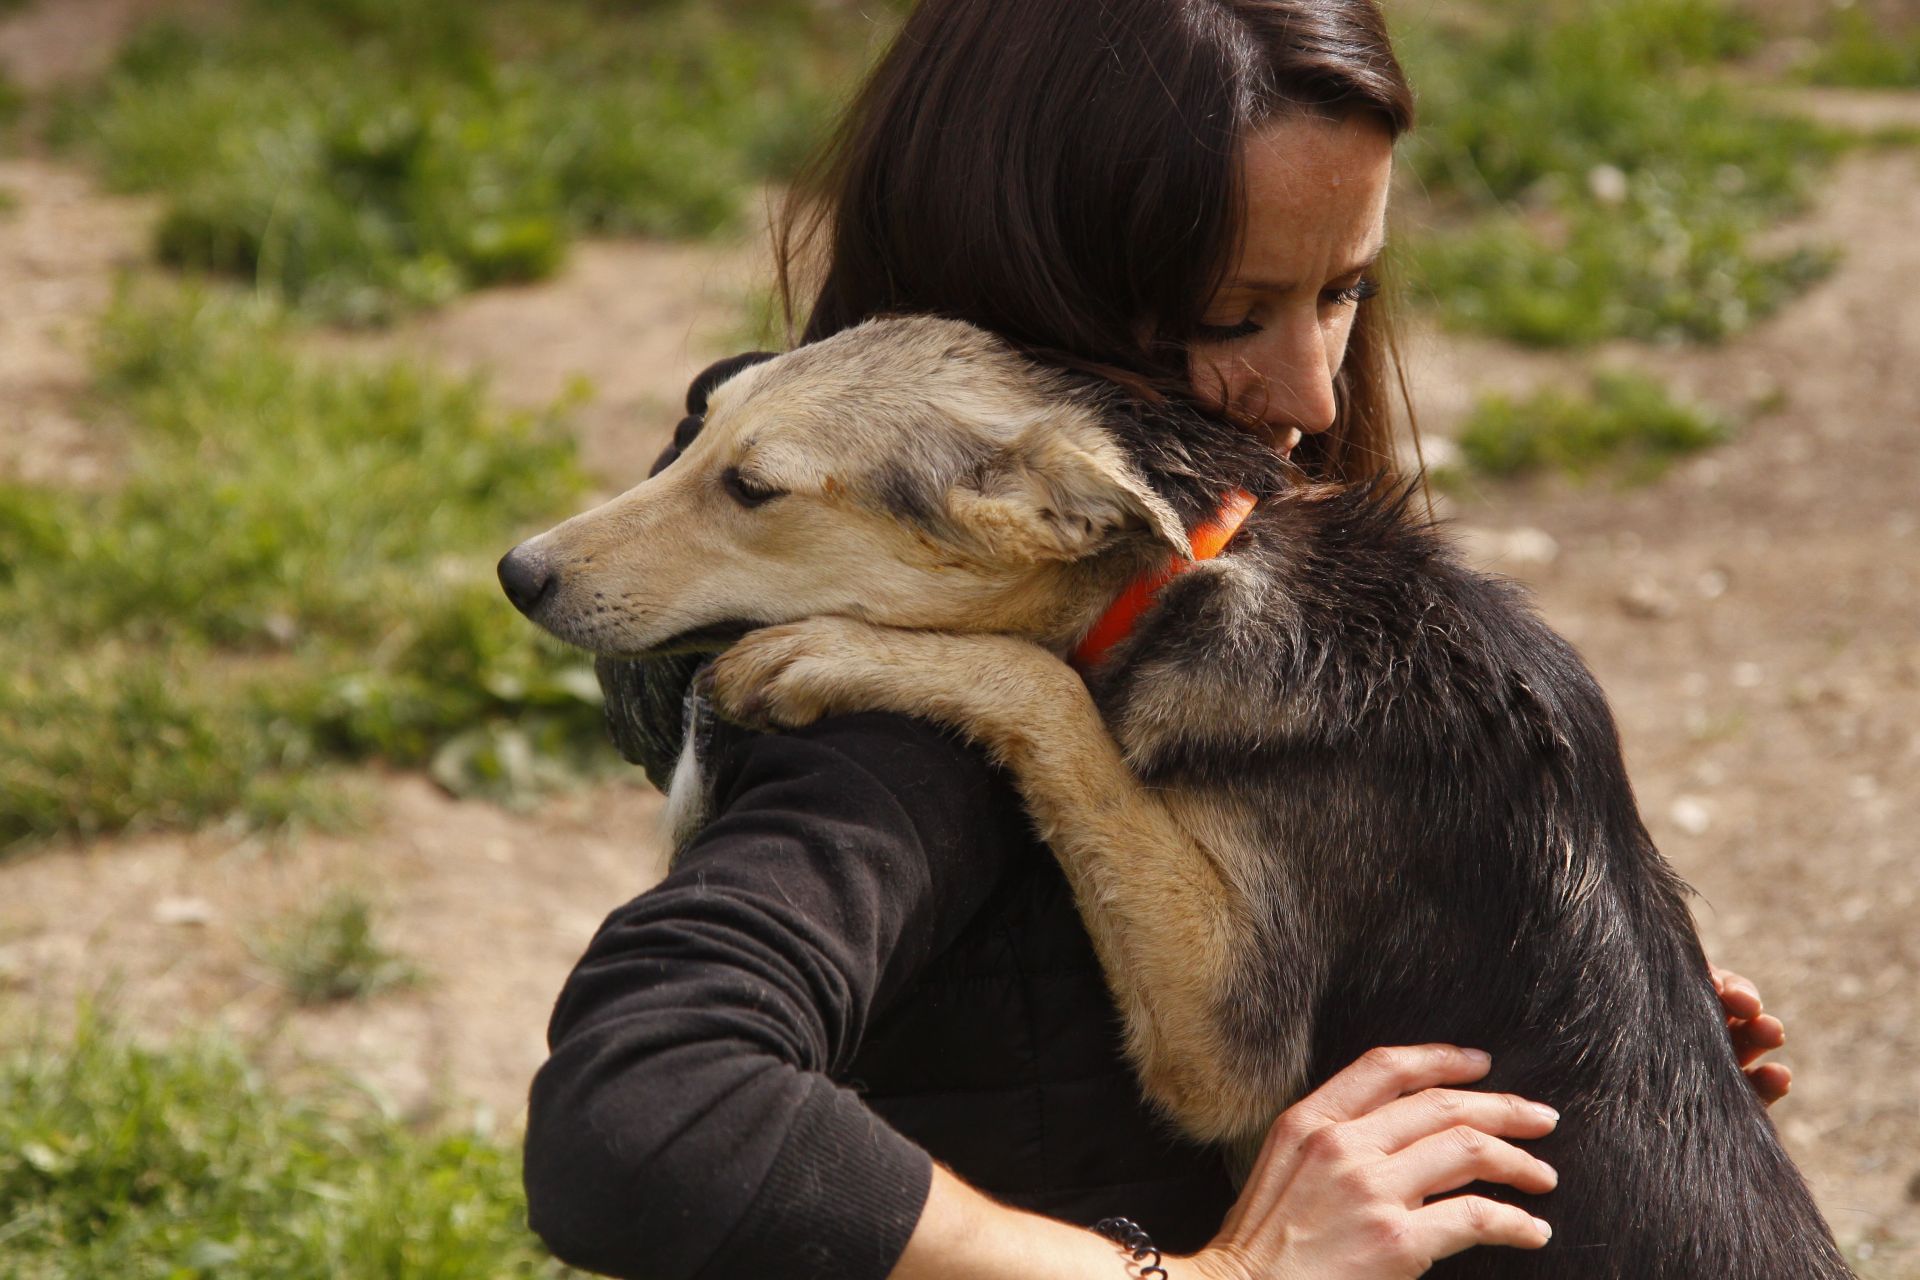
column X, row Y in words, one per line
column 864, row 959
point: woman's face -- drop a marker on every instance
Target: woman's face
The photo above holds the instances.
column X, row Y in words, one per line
column 1274, row 335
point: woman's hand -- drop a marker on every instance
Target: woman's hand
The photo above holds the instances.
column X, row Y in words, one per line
column 1340, row 1187
column 1755, row 1033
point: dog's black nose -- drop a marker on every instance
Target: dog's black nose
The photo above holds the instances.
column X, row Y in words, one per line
column 525, row 578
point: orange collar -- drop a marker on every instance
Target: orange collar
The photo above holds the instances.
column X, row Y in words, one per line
column 1208, row 539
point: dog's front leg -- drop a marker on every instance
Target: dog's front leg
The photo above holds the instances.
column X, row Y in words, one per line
column 1155, row 900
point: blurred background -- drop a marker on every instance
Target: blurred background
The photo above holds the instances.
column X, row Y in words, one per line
column 311, row 308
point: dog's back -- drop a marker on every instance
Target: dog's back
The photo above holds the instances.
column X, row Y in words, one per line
column 1456, row 856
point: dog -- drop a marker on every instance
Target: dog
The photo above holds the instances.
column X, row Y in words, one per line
column 1331, row 790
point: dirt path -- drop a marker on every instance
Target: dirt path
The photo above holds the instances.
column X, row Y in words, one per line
column 494, row 907
column 632, row 321
column 60, row 244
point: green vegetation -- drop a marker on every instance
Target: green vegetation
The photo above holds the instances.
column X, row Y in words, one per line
column 1591, row 179
column 296, row 570
column 1625, row 424
column 359, row 156
column 183, row 1164
column 1859, row 53
column 11, row 101
column 333, row 952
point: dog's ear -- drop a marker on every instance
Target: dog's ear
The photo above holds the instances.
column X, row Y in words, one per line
column 1050, row 497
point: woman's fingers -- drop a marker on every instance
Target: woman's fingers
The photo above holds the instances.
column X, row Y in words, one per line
column 1382, row 1075
column 1756, row 1037
column 1755, row 1034
column 1407, row 1120
column 1378, row 1078
column 1771, row 1081
column 1738, row 996
column 1446, row 1227
column 1450, row 1160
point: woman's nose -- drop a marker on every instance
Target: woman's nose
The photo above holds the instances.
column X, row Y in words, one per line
column 1298, row 380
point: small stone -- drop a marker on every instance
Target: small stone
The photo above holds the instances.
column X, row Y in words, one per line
column 1644, row 598
column 1691, row 814
column 1748, row 675
column 1440, row 453
column 1508, row 549
column 1528, row 545
column 1712, row 584
column 1607, row 183
column 1861, row 786
column 193, row 912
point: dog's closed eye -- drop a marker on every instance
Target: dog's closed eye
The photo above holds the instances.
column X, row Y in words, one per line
column 748, row 491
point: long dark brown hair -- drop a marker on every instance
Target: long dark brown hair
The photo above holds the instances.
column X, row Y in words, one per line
column 1067, row 174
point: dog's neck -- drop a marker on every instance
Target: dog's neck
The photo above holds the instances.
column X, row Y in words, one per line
column 1207, row 540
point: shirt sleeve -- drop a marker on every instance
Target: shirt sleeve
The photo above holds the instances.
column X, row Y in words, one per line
column 689, row 1122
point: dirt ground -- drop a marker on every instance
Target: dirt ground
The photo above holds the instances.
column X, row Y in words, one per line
column 1755, row 616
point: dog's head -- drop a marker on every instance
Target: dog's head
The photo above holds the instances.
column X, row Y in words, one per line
column 910, row 472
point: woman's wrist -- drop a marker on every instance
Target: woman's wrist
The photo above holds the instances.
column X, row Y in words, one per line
column 964, row 1235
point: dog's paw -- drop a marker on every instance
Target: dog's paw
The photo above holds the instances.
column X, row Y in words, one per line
column 792, row 675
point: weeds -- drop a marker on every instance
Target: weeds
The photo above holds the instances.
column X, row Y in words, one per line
column 181, row 1162
column 11, row 100
column 297, row 570
column 1858, row 53
column 1624, row 424
column 1592, row 180
column 359, row 157
column 333, row 952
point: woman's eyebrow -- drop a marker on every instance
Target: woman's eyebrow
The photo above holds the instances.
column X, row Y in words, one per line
column 1278, row 286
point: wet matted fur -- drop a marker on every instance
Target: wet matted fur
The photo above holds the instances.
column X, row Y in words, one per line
column 1336, row 790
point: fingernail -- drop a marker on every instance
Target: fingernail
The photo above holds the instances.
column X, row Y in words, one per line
column 1545, row 1112
column 1545, row 1228
column 1480, row 1056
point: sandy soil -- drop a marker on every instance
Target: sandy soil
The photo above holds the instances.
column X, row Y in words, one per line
column 54, row 42
column 59, row 248
column 1755, row 616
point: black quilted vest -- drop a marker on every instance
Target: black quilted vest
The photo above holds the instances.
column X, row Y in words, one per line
column 1005, row 1063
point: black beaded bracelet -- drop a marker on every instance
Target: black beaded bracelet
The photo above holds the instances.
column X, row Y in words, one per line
column 1129, row 1235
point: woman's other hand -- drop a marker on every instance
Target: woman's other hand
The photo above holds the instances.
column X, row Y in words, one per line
column 1341, row 1185
column 1755, row 1033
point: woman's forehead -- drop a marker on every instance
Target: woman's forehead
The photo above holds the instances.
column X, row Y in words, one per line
column 1316, row 193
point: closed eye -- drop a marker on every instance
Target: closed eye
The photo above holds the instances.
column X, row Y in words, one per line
column 1346, row 296
column 747, row 491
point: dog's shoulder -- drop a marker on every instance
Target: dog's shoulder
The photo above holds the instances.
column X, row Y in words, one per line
column 1340, row 616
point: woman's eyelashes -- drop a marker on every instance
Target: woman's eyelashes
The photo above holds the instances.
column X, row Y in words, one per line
column 1359, row 291
column 1226, row 332
column 1350, row 295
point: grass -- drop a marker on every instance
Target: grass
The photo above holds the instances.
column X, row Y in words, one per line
column 1592, row 179
column 334, row 952
column 1623, row 424
column 296, row 571
column 11, row 102
column 182, row 1163
column 359, row 158
column 1860, row 54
